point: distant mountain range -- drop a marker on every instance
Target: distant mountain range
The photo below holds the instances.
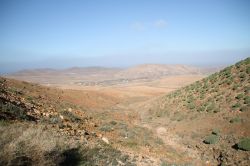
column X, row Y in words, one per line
column 100, row 74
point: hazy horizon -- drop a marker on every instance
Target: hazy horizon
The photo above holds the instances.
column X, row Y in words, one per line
column 64, row 34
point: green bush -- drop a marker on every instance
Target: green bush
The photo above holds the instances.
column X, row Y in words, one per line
column 216, row 110
column 11, row 111
column 247, row 61
column 106, row 128
column 191, row 106
column 71, row 116
column 247, row 90
column 247, row 100
column 248, row 70
column 236, row 86
column 236, row 120
column 244, row 108
column 159, row 141
column 211, row 139
column 239, row 96
column 4, row 123
column 210, row 107
column 14, row 90
column 190, row 99
column 205, row 85
column 242, row 75
column 113, row 122
column 244, row 144
column 216, row 132
column 235, row 106
column 227, row 72
column 30, row 98
column 201, row 109
column 228, row 82
column 55, row 120
column 238, row 64
column 202, row 97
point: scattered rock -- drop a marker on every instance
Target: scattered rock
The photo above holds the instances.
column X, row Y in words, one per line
column 61, row 117
column 85, row 132
column 104, row 139
column 119, row 162
column 161, row 130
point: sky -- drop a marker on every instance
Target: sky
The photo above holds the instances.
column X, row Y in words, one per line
column 120, row 33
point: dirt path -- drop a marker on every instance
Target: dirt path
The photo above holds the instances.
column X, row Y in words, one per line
column 172, row 141
column 136, row 100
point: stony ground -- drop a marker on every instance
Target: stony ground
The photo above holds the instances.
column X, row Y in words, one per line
column 134, row 124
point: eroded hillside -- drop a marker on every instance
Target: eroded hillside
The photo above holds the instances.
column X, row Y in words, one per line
column 211, row 116
column 48, row 126
column 41, row 126
column 204, row 123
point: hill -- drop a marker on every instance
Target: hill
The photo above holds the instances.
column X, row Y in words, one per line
column 90, row 76
column 38, row 128
column 64, row 76
column 211, row 115
column 47, row 126
column 214, row 93
column 157, row 70
column 204, row 123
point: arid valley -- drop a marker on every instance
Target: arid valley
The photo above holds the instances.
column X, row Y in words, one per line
column 125, row 83
column 151, row 114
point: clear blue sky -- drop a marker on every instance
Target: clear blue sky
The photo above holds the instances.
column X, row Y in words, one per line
column 64, row 33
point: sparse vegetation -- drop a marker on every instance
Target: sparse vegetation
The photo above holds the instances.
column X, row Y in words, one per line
column 236, row 120
column 239, row 96
column 244, row 108
column 244, row 144
column 216, row 132
column 27, row 144
column 214, row 93
column 30, row 144
column 70, row 116
column 106, row 128
column 210, row 107
column 248, row 70
column 59, row 135
column 30, row 98
column 236, row 106
column 247, row 100
column 191, row 106
column 10, row 111
column 211, row 139
column 113, row 122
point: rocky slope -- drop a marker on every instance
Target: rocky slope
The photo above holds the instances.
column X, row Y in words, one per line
column 211, row 116
column 205, row 123
column 39, row 128
column 48, row 126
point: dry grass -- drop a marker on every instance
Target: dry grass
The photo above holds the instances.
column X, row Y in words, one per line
column 31, row 144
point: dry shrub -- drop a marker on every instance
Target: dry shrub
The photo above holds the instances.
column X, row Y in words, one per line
column 23, row 144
